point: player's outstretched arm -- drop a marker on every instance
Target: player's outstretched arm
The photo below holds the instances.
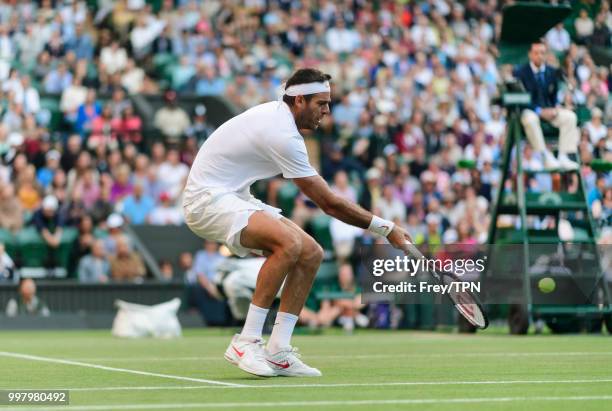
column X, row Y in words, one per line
column 316, row 188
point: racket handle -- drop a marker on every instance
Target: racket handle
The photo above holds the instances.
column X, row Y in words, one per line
column 411, row 249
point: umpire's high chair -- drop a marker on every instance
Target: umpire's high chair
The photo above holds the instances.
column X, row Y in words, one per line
column 535, row 234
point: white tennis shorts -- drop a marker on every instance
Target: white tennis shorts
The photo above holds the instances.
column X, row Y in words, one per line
column 220, row 216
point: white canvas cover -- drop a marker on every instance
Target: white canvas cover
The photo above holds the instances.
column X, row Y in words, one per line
column 137, row 321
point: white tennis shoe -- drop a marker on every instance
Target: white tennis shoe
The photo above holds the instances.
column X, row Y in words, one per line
column 249, row 355
column 286, row 362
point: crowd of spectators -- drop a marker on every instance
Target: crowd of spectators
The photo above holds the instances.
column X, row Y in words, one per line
column 413, row 84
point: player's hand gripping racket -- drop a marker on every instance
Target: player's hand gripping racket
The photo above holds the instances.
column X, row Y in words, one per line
column 465, row 301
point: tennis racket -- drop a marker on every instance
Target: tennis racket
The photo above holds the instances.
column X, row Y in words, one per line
column 465, row 301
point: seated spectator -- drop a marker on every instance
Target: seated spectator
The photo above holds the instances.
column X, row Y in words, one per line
column 346, row 310
column 137, row 206
column 94, row 267
column 204, row 269
column 58, row 187
column 27, row 303
column 584, row 27
column 182, row 73
column 202, row 293
column 146, row 29
column 172, row 174
column 118, row 102
column 121, row 187
column 414, row 225
column 11, row 209
column 102, row 208
column 86, row 113
column 58, row 79
column 432, row 235
column 113, row 58
column 126, row 265
column 44, row 176
column 133, row 78
column 343, row 235
column 189, row 151
column 104, row 130
column 166, row 270
column 595, row 127
column 42, row 68
column 55, row 46
column 171, row 119
column 596, row 193
column 472, row 205
column 7, row 266
column 71, row 152
column 166, row 213
column 341, row 39
column 558, row 38
column 601, row 32
column 30, row 44
column 88, row 188
column 206, row 82
column 389, row 206
column 81, row 43
column 49, row 223
column 81, row 167
column 129, row 127
column 163, row 43
column 201, row 129
column 73, row 97
column 13, row 118
column 114, row 223
column 28, row 190
column 140, row 174
column 28, row 96
column 86, row 238
column 602, row 209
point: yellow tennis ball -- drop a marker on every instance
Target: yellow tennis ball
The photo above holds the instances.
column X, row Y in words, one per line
column 547, row 285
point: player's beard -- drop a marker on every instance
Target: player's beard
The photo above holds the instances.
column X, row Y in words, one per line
column 307, row 122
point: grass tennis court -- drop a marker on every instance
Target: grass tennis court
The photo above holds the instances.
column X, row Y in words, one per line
column 368, row 370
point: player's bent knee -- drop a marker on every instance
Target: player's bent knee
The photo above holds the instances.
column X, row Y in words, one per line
column 312, row 253
column 290, row 246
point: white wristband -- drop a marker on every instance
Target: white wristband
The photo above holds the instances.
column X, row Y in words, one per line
column 381, row 226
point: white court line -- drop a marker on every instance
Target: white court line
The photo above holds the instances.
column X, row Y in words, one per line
column 335, row 385
column 416, row 401
column 367, row 356
column 103, row 367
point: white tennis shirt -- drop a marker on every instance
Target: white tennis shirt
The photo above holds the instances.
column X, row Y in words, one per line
column 260, row 143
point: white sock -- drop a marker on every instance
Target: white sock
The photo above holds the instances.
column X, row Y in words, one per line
column 281, row 333
column 253, row 326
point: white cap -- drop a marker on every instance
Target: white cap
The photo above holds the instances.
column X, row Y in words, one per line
column 114, row 221
column 200, row 110
column 432, row 218
column 53, row 154
column 373, row 173
column 50, row 203
column 390, row 149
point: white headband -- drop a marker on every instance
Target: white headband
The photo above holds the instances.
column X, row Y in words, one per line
column 307, row 88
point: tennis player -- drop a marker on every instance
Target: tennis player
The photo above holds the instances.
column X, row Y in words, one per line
column 260, row 143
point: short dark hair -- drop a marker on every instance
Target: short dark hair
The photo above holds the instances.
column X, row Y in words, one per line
column 539, row 42
column 303, row 76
